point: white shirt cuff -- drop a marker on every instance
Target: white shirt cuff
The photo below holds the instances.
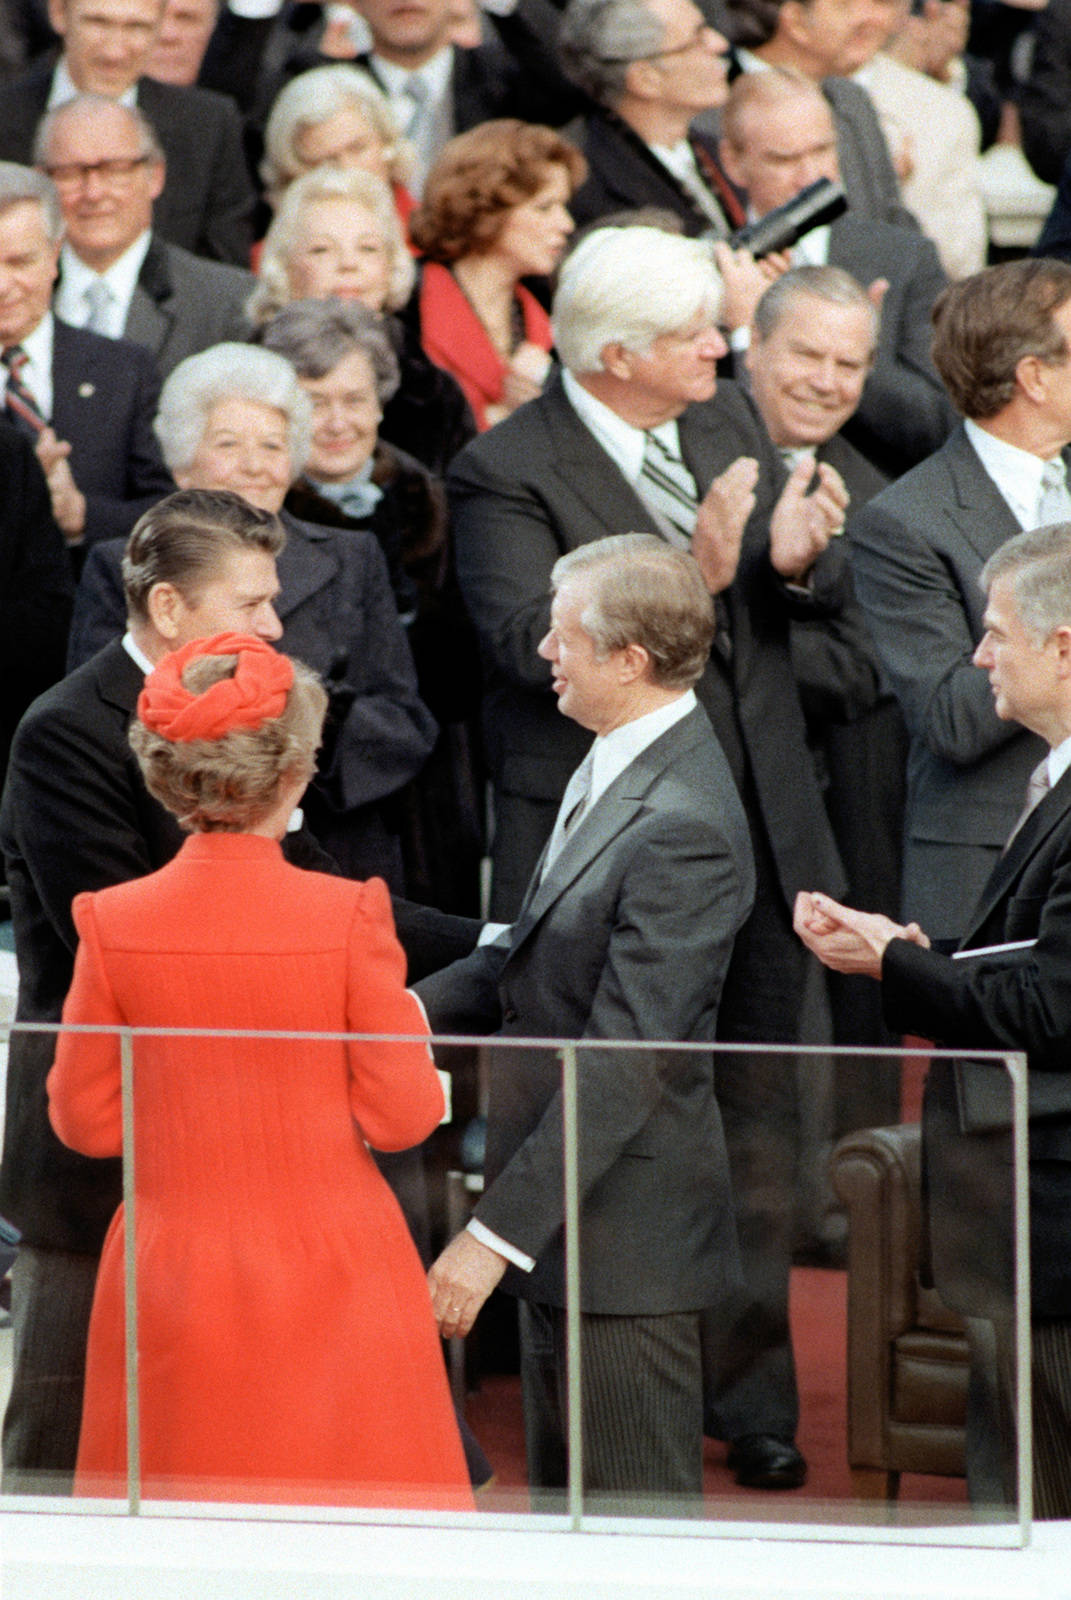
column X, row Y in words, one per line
column 500, row 1246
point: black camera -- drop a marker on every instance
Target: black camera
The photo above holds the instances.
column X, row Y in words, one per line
column 819, row 203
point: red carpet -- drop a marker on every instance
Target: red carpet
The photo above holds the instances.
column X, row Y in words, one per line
column 818, row 1322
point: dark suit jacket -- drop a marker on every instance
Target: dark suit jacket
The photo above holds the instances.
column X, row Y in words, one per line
column 104, row 398
column 623, row 174
column 76, row 816
column 657, row 877
column 998, row 1004
column 207, row 203
column 917, row 551
column 182, row 304
column 904, row 414
column 36, row 587
column 537, row 485
column 338, row 615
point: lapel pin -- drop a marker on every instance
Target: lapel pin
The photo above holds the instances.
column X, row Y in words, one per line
column 85, row 390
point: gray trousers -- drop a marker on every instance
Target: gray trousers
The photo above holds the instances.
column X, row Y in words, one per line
column 51, row 1298
column 641, row 1385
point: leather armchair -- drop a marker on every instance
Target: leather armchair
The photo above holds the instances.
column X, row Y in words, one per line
column 907, row 1352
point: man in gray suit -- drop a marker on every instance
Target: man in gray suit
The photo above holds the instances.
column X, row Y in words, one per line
column 625, row 932
column 1003, row 347
column 117, row 276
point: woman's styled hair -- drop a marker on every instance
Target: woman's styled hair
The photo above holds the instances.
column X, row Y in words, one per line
column 230, row 784
column 315, row 335
column 229, row 372
column 362, row 189
column 313, row 98
column 477, row 180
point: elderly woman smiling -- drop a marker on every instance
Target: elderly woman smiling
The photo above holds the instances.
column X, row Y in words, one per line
column 236, row 418
column 336, row 117
column 337, row 236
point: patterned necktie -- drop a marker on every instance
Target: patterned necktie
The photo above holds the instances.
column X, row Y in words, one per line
column 668, row 490
column 22, row 408
column 572, row 810
column 98, row 298
column 1054, row 502
column 1036, row 790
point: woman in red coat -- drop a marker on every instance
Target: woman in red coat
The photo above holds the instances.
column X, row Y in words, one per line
column 286, row 1345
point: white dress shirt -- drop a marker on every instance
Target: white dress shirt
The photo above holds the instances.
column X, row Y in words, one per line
column 611, row 753
column 623, row 443
column 1016, row 473
column 64, row 88
column 120, row 278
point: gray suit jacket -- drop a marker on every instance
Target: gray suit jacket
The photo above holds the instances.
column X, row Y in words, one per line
column 628, row 936
column 183, row 303
column 917, row 552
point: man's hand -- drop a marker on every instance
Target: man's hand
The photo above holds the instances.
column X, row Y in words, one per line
column 745, row 281
column 68, row 502
column 804, row 522
column 720, row 523
column 460, row 1282
column 846, row 940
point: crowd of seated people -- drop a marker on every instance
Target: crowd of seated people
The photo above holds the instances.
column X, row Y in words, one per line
column 407, row 284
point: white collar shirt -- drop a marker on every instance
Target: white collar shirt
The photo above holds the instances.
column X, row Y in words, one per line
column 37, row 373
column 1016, row 473
column 121, row 279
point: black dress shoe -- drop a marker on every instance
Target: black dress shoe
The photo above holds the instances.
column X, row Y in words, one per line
column 761, row 1461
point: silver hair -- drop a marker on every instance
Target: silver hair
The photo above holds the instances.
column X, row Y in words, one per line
column 328, row 183
column 24, row 183
column 1038, row 564
column 630, row 286
column 832, row 284
column 149, row 143
column 600, row 39
column 309, row 100
column 230, row 372
column 315, row 335
column 643, row 591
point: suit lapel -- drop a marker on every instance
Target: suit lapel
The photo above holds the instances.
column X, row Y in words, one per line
column 150, row 319
column 612, row 813
column 588, row 471
column 1031, row 836
column 981, row 515
column 306, row 564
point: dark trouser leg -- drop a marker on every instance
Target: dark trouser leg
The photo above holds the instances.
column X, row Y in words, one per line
column 748, row 1366
column 1051, row 1352
column 51, row 1298
column 641, row 1400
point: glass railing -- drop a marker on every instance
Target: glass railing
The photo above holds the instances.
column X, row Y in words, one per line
column 262, row 1341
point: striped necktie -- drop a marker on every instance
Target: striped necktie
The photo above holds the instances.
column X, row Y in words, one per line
column 668, row 490
column 21, row 406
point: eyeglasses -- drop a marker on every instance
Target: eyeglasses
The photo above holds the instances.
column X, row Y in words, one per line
column 73, row 174
column 699, row 37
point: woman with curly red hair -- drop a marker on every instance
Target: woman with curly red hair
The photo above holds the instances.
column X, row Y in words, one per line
column 495, row 211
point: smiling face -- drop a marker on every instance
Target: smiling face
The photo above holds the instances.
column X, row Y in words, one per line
column 535, row 233
column 239, row 597
column 341, row 252
column 807, row 374
column 588, row 687
column 346, row 139
column 27, row 270
column 245, row 447
column 345, row 419
column 106, row 185
column 106, row 43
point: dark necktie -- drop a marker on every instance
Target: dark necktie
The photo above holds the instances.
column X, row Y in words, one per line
column 21, row 406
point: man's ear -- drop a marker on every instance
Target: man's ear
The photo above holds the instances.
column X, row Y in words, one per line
column 730, row 160
column 165, row 606
column 1031, row 374
column 635, row 663
column 642, row 81
column 1062, row 638
column 793, row 22
column 57, row 16
column 157, row 178
column 616, row 359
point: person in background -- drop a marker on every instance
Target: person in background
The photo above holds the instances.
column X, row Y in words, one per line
column 495, row 211
column 336, row 235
